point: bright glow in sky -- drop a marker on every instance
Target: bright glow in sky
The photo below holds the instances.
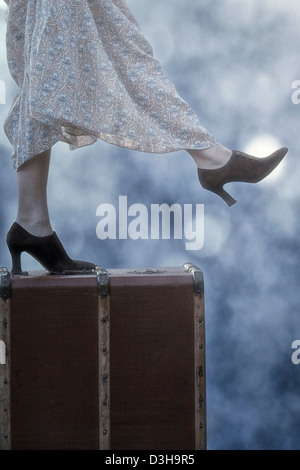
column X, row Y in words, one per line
column 262, row 146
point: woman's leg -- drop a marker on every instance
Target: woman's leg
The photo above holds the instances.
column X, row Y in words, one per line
column 211, row 158
column 32, row 178
column 32, row 231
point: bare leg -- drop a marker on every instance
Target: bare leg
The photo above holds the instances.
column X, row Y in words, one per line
column 32, row 178
column 32, row 232
column 211, row 158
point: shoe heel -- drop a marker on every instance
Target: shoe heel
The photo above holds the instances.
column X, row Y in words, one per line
column 220, row 191
column 16, row 263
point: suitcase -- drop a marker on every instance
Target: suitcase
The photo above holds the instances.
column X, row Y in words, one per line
column 114, row 360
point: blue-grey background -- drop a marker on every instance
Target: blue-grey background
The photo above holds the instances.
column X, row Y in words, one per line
column 234, row 62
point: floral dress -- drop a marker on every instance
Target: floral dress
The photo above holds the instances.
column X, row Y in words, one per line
column 85, row 71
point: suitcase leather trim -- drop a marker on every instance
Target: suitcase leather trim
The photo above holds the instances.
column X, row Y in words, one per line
column 200, row 372
column 104, row 357
column 5, row 419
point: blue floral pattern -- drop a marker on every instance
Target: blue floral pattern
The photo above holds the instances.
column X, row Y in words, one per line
column 85, row 71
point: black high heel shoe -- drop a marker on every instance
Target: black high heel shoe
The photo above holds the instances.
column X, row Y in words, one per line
column 240, row 167
column 48, row 251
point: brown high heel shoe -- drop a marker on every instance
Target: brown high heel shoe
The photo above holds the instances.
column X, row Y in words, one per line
column 240, row 167
column 48, row 251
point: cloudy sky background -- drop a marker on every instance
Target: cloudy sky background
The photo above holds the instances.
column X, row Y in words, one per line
column 235, row 63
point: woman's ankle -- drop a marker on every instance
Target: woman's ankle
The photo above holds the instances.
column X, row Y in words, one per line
column 38, row 228
column 211, row 158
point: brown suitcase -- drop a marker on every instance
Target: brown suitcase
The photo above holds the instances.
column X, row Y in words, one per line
column 114, row 360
